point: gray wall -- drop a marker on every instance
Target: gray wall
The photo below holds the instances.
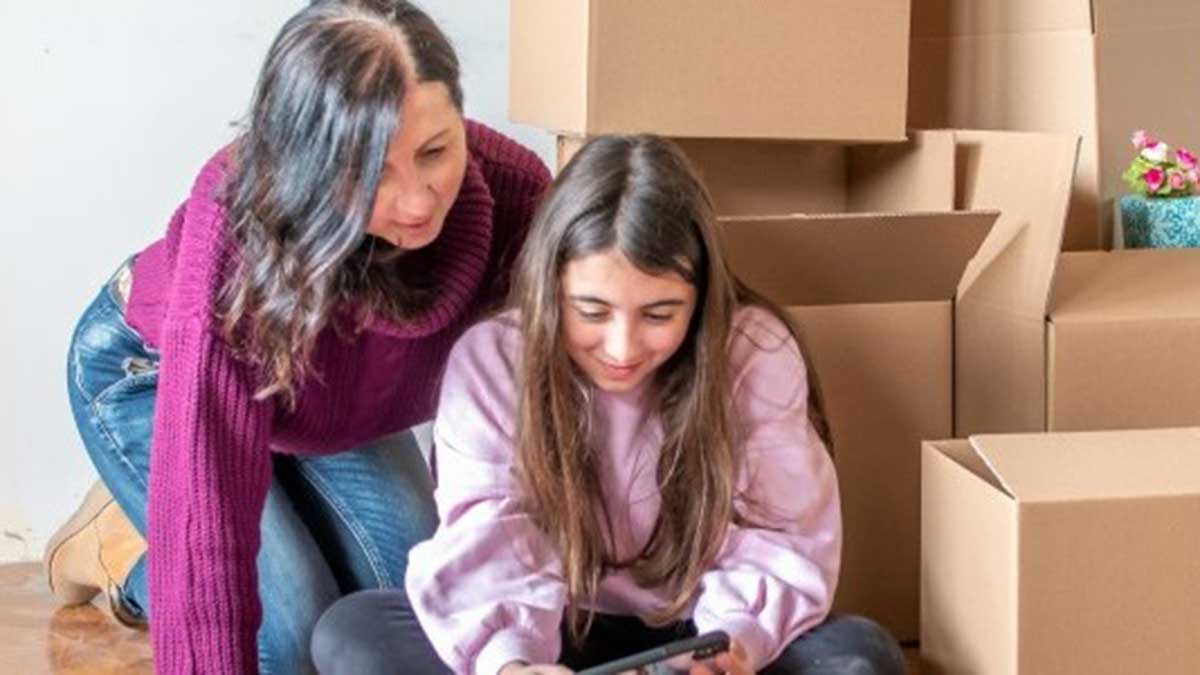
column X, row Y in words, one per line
column 107, row 111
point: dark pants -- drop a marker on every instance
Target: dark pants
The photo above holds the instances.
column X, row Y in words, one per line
column 376, row 632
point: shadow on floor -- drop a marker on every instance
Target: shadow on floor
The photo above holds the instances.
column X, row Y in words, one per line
column 41, row 637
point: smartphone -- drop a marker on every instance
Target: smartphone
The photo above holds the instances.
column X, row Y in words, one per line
column 658, row 661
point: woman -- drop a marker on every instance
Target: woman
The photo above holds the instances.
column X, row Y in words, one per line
column 628, row 457
column 244, row 385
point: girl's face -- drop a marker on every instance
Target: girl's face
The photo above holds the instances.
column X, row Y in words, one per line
column 426, row 160
column 619, row 323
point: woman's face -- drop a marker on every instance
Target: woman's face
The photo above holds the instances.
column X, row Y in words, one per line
column 426, row 159
column 619, row 323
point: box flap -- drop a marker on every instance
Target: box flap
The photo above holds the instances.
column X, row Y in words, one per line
column 754, row 178
column 1027, row 176
column 1000, row 352
column 913, row 176
column 1094, row 465
column 852, row 258
column 1133, row 284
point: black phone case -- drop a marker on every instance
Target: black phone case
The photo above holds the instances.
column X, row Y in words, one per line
column 704, row 646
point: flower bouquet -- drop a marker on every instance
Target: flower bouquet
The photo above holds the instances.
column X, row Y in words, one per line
column 1164, row 209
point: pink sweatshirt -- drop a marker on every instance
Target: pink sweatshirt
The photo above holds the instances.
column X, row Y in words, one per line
column 489, row 589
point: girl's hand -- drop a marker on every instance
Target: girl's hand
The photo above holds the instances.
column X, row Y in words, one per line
column 522, row 668
column 733, row 662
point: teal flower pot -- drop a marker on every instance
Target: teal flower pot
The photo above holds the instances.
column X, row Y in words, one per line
column 1161, row 222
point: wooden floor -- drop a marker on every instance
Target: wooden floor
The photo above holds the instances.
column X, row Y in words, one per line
column 41, row 637
column 38, row 636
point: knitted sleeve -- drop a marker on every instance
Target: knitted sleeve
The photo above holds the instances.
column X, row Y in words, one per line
column 209, row 469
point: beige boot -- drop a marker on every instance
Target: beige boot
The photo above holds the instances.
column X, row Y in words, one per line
column 93, row 552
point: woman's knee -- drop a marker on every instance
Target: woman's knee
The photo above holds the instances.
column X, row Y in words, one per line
column 365, row 632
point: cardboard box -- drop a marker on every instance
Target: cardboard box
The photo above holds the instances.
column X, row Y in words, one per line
column 1123, row 341
column 1097, row 68
column 709, row 68
column 1061, row 553
column 875, row 284
column 1076, row 341
column 880, row 340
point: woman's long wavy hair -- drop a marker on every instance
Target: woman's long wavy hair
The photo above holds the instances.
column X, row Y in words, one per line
column 641, row 196
column 304, row 175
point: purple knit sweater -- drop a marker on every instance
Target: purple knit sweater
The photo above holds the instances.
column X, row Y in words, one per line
column 210, row 466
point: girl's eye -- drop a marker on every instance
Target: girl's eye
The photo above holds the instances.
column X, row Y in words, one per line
column 430, row 153
column 592, row 317
column 659, row 318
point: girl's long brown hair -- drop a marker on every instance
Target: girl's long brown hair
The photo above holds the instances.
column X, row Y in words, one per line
column 640, row 195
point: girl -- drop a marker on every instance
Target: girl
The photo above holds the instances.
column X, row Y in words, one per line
column 627, row 457
column 244, row 385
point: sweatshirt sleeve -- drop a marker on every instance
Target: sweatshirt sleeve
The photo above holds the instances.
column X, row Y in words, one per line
column 209, row 474
column 775, row 576
column 488, row 587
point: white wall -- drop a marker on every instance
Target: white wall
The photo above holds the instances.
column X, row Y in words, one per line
column 107, row 110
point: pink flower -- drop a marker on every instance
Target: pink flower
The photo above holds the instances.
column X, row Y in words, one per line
column 1193, row 177
column 1176, row 179
column 1156, row 152
column 1187, row 161
column 1139, row 139
column 1154, row 179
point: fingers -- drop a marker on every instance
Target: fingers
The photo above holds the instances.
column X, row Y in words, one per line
column 735, row 661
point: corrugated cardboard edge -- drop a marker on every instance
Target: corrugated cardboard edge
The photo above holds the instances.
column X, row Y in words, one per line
column 969, row 549
column 1092, row 465
column 1000, row 346
column 855, row 258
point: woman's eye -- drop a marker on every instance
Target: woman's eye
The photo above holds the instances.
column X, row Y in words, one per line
column 430, row 153
column 594, row 317
column 659, row 318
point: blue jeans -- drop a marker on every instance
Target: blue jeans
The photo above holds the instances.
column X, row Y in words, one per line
column 332, row 524
column 377, row 632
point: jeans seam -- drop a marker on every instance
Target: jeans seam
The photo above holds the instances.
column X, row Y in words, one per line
column 342, row 511
column 98, row 421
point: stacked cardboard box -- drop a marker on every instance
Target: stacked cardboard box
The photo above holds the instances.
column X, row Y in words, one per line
column 1096, row 68
column 923, row 269
column 795, row 70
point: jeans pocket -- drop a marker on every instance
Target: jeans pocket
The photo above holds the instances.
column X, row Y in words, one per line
column 134, row 386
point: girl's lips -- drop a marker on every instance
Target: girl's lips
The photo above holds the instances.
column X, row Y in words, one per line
column 619, row 372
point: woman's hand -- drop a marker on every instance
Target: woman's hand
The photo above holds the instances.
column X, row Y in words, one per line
column 522, row 668
column 733, row 662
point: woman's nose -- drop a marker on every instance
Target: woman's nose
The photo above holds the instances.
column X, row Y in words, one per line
column 413, row 203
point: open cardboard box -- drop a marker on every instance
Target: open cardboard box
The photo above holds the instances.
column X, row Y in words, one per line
column 1095, row 68
column 875, row 279
column 1087, row 340
column 1061, row 553
column 710, row 68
